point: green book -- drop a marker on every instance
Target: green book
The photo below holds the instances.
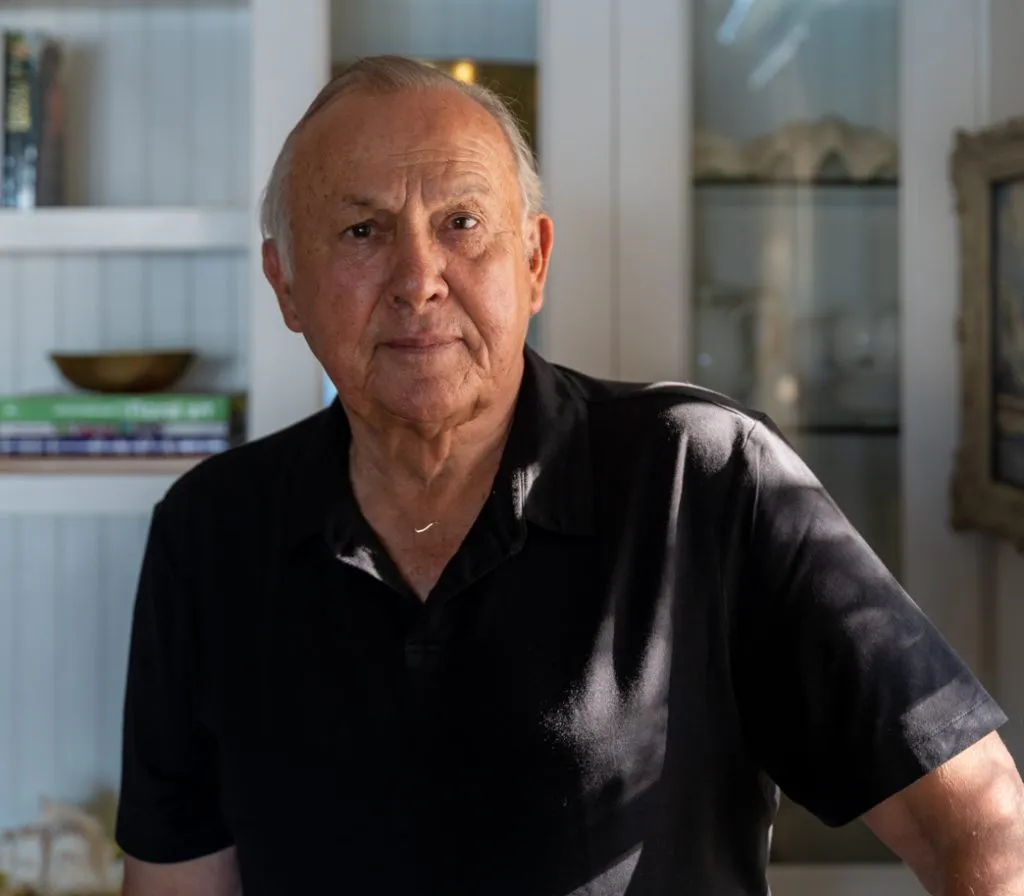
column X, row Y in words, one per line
column 114, row 409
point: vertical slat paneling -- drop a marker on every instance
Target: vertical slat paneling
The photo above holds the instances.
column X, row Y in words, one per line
column 170, row 296
column 210, row 142
column 79, row 302
column 39, row 284
column 157, row 101
column 158, row 115
column 123, row 302
column 236, row 163
column 169, row 43
column 10, row 324
column 121, row 548
column 216, row 325
column 79, row 686
column 124, row 105
column 66, row 598
column 35, row 651
column 8, row 672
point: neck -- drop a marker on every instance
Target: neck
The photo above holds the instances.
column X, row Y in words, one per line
column 428, row 467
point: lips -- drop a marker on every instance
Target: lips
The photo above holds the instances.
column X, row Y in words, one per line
column 421, row 343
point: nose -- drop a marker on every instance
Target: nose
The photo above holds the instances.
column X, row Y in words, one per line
column 417, row 277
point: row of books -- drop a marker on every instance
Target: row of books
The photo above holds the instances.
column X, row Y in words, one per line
column 32, row 116
column 88, row 425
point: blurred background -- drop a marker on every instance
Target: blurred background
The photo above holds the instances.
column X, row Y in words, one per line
column 750, row 194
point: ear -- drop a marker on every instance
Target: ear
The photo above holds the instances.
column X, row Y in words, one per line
column 540, row 239
column 273, row 270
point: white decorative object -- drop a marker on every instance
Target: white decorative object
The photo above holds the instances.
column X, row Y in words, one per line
column 716, row 156
column 67, row 851
column 830, row 148
column 802, row 151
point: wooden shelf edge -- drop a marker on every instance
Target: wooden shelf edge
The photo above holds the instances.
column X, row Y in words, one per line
column 97, row 466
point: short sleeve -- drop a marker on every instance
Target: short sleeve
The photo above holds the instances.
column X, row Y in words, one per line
column 168, row 809
column 847, row 691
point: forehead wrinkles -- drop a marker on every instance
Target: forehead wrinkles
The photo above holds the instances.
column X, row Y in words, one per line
column 335, row 160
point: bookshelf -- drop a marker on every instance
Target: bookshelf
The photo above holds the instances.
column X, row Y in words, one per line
column 175, row 112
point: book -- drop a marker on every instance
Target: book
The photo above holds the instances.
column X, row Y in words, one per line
column 91, row 425
column 89, row 408
column 33, row 121
column 113, row 447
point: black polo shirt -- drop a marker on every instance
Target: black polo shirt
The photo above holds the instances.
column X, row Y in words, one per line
column 658, row 617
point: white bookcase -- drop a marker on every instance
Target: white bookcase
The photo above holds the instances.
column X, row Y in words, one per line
column 175, row 112
column 176, row 109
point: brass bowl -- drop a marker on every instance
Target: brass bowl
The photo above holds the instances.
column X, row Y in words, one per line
column 131, row 372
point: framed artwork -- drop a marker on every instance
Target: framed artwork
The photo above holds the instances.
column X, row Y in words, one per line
column 987, row 170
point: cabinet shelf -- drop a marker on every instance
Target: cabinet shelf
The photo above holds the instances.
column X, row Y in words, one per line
column 88, row 486
column 872, row 430
column 54, row 230
column 819, row 184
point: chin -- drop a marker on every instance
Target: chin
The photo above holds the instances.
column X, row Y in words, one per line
column 426, row 405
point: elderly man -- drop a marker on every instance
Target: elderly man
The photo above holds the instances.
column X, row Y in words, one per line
column 488, row 626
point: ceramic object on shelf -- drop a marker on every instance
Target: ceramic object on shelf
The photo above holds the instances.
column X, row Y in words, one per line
column 718, row 157
column 803, row 150
column 829, row 149
column 123, row 372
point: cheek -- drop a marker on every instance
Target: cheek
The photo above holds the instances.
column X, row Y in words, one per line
column 339, row 309
column 495, row 296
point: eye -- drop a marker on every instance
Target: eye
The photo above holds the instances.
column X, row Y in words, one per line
column 361, row 231
column 464, row 222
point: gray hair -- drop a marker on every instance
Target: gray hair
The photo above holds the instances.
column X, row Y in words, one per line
column 388, row 74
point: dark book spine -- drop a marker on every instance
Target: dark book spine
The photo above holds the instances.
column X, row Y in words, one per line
column 33, row 125
column 71, row 447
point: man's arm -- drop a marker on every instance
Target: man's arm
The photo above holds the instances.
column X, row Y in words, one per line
column 960, row 828
column 214, row 875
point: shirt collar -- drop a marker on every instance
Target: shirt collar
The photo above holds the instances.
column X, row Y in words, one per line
column 546, row 468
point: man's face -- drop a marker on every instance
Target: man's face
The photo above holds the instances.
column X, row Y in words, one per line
column 414, row 275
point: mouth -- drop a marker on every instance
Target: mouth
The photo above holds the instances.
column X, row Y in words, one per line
column 421, row 345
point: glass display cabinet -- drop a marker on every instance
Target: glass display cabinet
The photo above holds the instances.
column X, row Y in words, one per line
column 795, row 260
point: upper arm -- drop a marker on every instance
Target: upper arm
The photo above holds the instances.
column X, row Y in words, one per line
column 213, row 875
column 847, row 692
column 975, row 798
column 169, row 808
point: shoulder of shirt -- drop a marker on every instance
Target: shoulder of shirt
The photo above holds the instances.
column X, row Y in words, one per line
column 246, row 475
column 678, row 406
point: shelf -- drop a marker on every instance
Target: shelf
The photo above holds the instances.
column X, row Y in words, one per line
column 875, row 430
column 92, row 486
column 123, row 230
column 823, row 184
column 146, row 5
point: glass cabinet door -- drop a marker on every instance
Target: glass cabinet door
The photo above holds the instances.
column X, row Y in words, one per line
column 795, row 169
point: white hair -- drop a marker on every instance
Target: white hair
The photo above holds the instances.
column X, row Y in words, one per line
column 389, row 74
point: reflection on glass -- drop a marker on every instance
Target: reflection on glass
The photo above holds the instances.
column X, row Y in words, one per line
column 1008, row 314
column 796, row 265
